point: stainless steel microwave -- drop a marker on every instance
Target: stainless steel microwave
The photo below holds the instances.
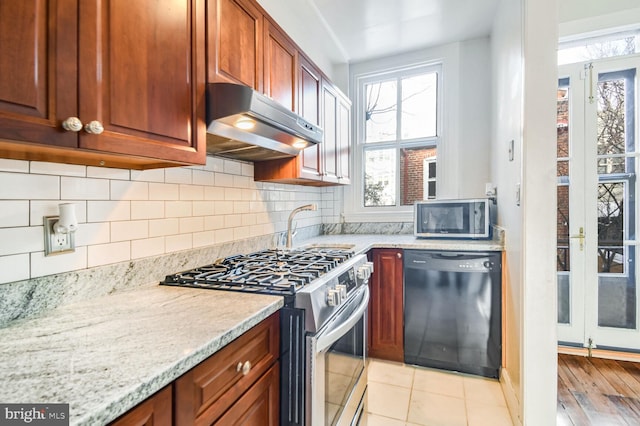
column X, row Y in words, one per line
column 462, row 219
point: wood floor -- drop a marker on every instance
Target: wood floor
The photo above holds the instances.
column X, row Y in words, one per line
column 598, row 392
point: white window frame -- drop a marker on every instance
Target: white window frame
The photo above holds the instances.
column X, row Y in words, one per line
column 355, row 209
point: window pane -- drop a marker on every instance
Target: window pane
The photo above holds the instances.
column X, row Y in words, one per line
column 415, row 164
column 380, row 113
column 380, row 177
column 562, row 236
column 596, row 49
column 611, row 115
column 419, row 100
column 611, row 227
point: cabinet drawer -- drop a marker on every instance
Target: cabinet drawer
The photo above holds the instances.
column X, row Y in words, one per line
column 204, row 393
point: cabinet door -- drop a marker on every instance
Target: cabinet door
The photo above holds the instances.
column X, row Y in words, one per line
column 155, row 411
column 234, row 45
column 206, row 392
column 142, row 75
column 309, row 109
column 38, row 77
column 260, row 405
column 343, row 145
column 386, row 337
column 280, row 67
column 329, row 124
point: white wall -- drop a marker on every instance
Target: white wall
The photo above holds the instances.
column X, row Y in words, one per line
column 126, row 215
column 594, row 16
column 304, row 25
column 525, row 81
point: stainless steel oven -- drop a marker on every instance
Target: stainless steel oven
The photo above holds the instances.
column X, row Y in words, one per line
column 337, row 365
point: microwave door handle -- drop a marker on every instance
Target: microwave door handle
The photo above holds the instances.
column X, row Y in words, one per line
column 330, row 337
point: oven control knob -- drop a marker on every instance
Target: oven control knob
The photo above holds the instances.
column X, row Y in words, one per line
column 343, row 291
column 364, row 271
column 333, row 297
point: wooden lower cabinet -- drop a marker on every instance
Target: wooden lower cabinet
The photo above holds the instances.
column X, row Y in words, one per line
column 386, row 306
column 240, row 384
column 155, row 411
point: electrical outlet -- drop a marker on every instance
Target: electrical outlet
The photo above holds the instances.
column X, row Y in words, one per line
column 56, row 243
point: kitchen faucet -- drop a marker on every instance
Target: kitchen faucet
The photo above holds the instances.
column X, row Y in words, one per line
column 312, row 207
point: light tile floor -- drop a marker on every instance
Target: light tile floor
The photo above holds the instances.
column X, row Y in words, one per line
column 404, row 395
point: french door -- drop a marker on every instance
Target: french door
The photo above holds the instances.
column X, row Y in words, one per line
column 597, row 204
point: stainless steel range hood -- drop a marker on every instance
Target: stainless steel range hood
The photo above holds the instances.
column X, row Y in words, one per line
column 246, row 125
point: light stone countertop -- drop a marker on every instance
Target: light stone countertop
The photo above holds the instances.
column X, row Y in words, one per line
column 364, row 242
column 106, row 355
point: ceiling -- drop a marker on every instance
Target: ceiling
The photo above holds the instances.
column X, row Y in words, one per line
column 366, row 29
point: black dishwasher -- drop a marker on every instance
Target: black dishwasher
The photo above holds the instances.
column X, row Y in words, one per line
column 452, row 310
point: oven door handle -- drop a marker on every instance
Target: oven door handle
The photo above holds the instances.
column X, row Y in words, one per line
column 331, row 336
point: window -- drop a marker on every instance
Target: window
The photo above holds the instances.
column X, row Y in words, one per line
column 607, row 46
column 398, row 121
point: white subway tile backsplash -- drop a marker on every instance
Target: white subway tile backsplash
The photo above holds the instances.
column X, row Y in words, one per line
column 232, row 221
column 89, row 234
column 17, row 186
column 224, row 180
column 164, row 191
column 147, row 210
column 213, row 222
column 214, row 164
column 247, row 170
column 191, row 224
column 178, row 208
column 241, row 207
column 224, row 207
column 178, row 175
column 14, row 268
column 108, row 173
column 44, row 168
column 18, row 166
column 127, row 190
column 14, row 213
column 191, row 192
column 107, row 211
column 21, row 240
column 232, row 167
column 203, row 177
column 104, row 254
column 42, row 265
column 162, row 227
column 203, row 239
column 147, row 248
column 84, row 188
column 224, row 235
column 241, row 233
column 178, row 242
column 249, row 219
column 152, row 175
column 129, row 230
column 232, row 194
column 213, row 193
column 203, row 208
column 241, row 181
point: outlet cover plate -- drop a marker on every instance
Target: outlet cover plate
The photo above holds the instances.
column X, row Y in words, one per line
column 57, row 243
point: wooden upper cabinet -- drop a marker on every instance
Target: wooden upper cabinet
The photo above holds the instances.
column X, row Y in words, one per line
column 142, row 76
column 280, row 66
column 134, row 69
column 329, row 124
column 235, row 41
column 38, row 72
column 309, row 109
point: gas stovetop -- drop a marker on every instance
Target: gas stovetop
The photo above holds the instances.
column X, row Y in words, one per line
column 281, row 272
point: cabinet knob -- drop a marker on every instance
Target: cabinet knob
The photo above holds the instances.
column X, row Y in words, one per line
column 239, row 367
column 72, row 124
column 94, row 127
column 399, row 255
column 246, row 368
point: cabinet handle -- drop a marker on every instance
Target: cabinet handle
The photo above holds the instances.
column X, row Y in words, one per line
column 399, row 255
column 94, row 127
column 246, row 368
column 72, row 124
column 239, row 367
